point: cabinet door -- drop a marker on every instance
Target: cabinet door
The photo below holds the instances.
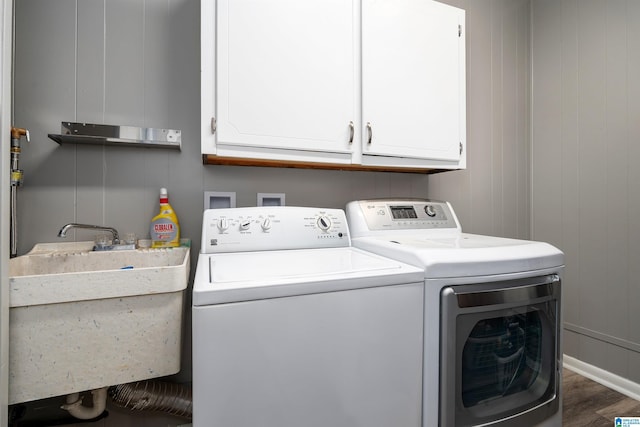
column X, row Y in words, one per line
column 413, row 79
column 285, row 74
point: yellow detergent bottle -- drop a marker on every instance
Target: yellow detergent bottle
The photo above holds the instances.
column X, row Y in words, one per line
column 165, row 230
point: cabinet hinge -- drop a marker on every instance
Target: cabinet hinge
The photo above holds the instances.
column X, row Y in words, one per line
column 461, row 148
column 459, row 30
column 213, row 125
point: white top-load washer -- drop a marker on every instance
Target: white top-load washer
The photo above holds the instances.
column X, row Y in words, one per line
column 292, row 326
column 492, row 313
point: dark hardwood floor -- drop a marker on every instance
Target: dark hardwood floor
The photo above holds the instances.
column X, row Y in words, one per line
column 588, row 403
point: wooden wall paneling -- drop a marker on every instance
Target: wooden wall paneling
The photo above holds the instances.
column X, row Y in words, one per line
column 510, row 114
column 546, row 116
column 479, row 117
column 125, row 75
column 570, row 173
column 523, row 121
column 617, row 169
column 41, row 107
column 591, row 33
column 497, row 118
column 90, row 99
column 632, row 302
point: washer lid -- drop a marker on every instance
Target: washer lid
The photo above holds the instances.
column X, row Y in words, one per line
column 465, row 254
column 242, row 276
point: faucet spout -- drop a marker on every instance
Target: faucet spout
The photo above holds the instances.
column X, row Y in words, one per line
column 67, row 227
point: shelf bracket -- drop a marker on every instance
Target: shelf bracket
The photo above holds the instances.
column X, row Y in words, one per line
column 100, row 134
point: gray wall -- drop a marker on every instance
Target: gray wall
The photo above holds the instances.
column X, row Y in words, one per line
column 585, row 170
column 137, row 63
column 492, row 196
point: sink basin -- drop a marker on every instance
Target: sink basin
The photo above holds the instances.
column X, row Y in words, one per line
column 81, row 320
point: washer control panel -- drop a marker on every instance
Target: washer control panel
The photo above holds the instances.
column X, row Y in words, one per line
column 400, row 214
column 273, row 228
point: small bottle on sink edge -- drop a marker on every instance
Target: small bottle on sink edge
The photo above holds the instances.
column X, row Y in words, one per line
column 165, row 230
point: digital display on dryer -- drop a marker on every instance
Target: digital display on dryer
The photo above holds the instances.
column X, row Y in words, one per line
column 403, row 212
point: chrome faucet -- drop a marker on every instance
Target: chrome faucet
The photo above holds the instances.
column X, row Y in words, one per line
column 67, row 227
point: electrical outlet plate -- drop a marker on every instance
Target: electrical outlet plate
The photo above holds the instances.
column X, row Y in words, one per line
column 219, row 199
column 270, row 199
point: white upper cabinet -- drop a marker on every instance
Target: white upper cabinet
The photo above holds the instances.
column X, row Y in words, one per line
column 361, row 82
column 413, row 81
column 285, row 78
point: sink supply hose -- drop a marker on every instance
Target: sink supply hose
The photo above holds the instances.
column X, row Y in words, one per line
column 77, row 409
column 16, row 181
column 174, row 399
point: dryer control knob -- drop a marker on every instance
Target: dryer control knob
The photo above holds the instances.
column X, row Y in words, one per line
column 266, row 224
column 324, row 223
column 430, row 211
column 245, row 224
column 223, row 224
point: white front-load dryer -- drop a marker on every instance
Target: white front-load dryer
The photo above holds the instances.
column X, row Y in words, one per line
column 492, row 314
column 292, row 326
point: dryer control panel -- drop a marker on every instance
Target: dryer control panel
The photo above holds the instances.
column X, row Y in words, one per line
column 367, row 216
column 273, row 228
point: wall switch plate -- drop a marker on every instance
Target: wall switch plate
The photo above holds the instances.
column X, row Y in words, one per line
column 270, row 199
column 219, row 199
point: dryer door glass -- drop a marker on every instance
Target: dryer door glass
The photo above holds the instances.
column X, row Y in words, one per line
column 503, row 356
column 500, row 353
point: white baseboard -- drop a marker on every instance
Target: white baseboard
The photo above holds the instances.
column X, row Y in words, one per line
column 606, row 378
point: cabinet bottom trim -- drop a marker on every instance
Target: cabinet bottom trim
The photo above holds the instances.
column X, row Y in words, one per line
column 208, row 159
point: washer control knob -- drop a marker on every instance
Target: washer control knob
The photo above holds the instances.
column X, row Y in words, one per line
column 430, row 211
column 324, row 223
column 266, row 224
column 245, row 224
column 223, row 224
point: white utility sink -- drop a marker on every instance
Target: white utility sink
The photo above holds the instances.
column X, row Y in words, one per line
column 83, row 319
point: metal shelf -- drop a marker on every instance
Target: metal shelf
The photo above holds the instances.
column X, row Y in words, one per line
column 128, row 136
